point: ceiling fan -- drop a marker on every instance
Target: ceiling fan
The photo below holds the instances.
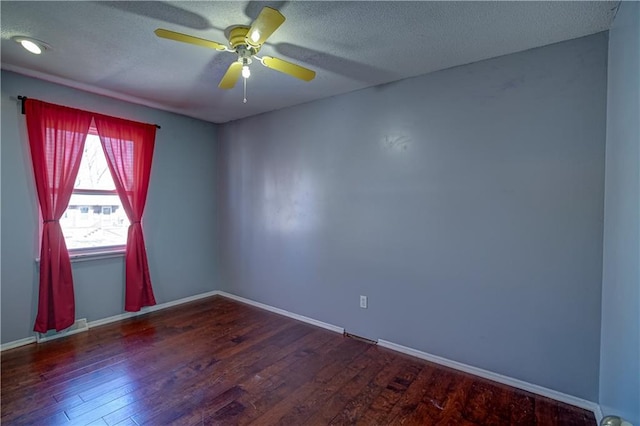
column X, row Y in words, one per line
column 246, row 43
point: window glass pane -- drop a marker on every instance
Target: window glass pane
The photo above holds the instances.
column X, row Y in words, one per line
column 93, row 221
column 94, row 172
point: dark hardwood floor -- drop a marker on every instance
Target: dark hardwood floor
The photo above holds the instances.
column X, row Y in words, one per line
column 217, row 361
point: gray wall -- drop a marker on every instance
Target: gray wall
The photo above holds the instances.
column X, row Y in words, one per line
column 620, row 350
column 466, row 204
column 182, row 253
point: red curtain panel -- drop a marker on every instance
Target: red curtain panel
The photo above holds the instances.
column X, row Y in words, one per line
column 128, row 146
column 56, row 139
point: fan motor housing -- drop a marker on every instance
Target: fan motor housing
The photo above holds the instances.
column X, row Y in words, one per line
column 237, row 36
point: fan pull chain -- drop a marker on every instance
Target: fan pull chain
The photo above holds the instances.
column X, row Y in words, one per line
column 244, row 101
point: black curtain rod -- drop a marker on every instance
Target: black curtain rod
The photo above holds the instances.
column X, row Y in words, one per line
column 24, row 98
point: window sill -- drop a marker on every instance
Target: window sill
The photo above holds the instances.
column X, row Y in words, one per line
column 94, row 255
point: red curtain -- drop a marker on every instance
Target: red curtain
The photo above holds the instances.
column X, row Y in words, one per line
column 56, row 138
column 128, row 146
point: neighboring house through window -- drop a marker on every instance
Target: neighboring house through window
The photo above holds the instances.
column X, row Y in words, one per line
column 94, row 219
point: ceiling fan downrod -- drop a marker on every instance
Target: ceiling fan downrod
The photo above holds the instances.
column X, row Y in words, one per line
column 246, row 73
column 244, row 100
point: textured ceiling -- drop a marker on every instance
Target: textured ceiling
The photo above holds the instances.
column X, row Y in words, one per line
column 110, row 48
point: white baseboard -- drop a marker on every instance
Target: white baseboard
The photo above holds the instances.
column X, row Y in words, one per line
column 114, row 318
column 153, row 308
column 510, row 381
column 269, row 308
column 598, row 413
column 18, row 343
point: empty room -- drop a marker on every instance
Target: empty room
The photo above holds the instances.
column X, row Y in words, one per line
column 314, row 213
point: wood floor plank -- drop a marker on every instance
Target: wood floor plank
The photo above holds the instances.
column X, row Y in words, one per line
column 145, row 397
column 485, row 404
column 236, row 369
column 437, row 394
column 202, row 366
column 406, row 410
column 238, row 366
column 126, row 422
column 311, row 396
column 263, row 383
column 570, row 416
column 216, row 361
column 336, row 402
column 98, row 422
column 522, row 409
column 316, row 361
column 380, row 407
column 57, row 419
column 40, row 414
column 227, row 415
column 546, row 412
column 128, row 374
column 457, row 395
column 193, row 409
column 359, row 404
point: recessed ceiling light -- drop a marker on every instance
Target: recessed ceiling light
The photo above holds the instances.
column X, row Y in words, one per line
column 31, row 44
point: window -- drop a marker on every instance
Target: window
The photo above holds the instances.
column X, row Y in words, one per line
column 94, row 218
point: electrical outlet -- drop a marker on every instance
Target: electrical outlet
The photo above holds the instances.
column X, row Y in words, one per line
column 363, row 302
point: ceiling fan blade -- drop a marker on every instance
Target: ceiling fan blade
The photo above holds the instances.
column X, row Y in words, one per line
column 184, row 38
column 231, row 76
column 265, row 24
column 288, row 68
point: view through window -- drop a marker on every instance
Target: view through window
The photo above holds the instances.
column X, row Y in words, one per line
column 94, row 218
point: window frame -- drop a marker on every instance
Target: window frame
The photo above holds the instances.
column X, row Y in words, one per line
column 106, row 251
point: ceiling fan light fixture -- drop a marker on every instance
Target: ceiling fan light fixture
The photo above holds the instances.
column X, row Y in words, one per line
column 255, row 36
column 31, row 44
column 246, row 72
